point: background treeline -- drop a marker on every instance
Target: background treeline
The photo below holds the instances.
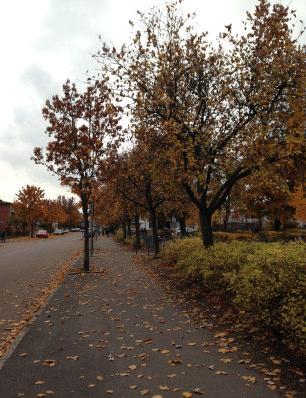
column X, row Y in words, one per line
column 31, row 210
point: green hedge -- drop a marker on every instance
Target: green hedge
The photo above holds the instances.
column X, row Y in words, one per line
column 265, row 282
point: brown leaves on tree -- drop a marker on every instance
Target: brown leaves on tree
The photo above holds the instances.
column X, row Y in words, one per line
column 223, row 110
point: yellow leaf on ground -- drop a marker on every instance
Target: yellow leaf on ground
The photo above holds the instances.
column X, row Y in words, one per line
column 249, row 379
column 164, row 388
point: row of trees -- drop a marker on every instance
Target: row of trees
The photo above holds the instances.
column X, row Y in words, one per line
column 31, row 209
column 207, row 121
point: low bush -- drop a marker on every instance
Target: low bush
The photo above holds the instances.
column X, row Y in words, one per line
column 270, row 288
column 174, row 249
column 265, row 282
column 119, row 237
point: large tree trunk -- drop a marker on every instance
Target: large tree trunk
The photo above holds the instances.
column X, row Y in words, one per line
column 206, row 227
column 154, row 230
column 137, row 229
column 86, row 236
column 182, row 222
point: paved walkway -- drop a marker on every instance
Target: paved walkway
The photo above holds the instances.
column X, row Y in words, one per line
column 118, row 333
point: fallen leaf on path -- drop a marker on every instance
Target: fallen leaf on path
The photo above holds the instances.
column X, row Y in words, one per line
column 221, row 334
column 226, row 360
column 174, row 362
column 73, row 357
column 197, row 391
column 221, row 372
column 249, row 379
column 49, row 362
column 164, row 388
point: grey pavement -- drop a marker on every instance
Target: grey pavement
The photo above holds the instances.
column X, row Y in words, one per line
column 27, row 267
column 119, row 333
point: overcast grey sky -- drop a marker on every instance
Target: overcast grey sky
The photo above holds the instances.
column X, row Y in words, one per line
column 44, row 42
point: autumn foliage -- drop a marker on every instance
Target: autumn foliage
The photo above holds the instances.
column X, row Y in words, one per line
column 33, row 209
column 224, row 110
column 215, row 127
column 29, row 205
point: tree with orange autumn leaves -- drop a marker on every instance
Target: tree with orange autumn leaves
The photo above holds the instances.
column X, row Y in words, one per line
column 29, row 205
column 52, row 212
column 32, row 208
column 71, row 210
column 225, row 110
column 84, row 132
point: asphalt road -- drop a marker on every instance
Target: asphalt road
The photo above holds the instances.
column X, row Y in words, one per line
column 26, row 267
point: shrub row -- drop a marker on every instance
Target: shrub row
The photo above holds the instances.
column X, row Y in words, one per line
column 264, row 236
column 265, row 282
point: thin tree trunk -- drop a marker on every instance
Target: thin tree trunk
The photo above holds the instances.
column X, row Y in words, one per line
column 124, row 229
column 182, row 222
column 128, row 223
column 277, row 224
column 137, row 228
column 206, row 227
column 86, row 236
column 154, row 230
column 32, row 229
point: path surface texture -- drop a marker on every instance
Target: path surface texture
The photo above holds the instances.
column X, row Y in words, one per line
column 119, row 333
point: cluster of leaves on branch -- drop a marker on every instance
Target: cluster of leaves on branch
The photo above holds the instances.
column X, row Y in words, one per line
column 224, row 110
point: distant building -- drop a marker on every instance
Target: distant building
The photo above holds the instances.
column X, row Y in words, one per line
column 5, row 213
